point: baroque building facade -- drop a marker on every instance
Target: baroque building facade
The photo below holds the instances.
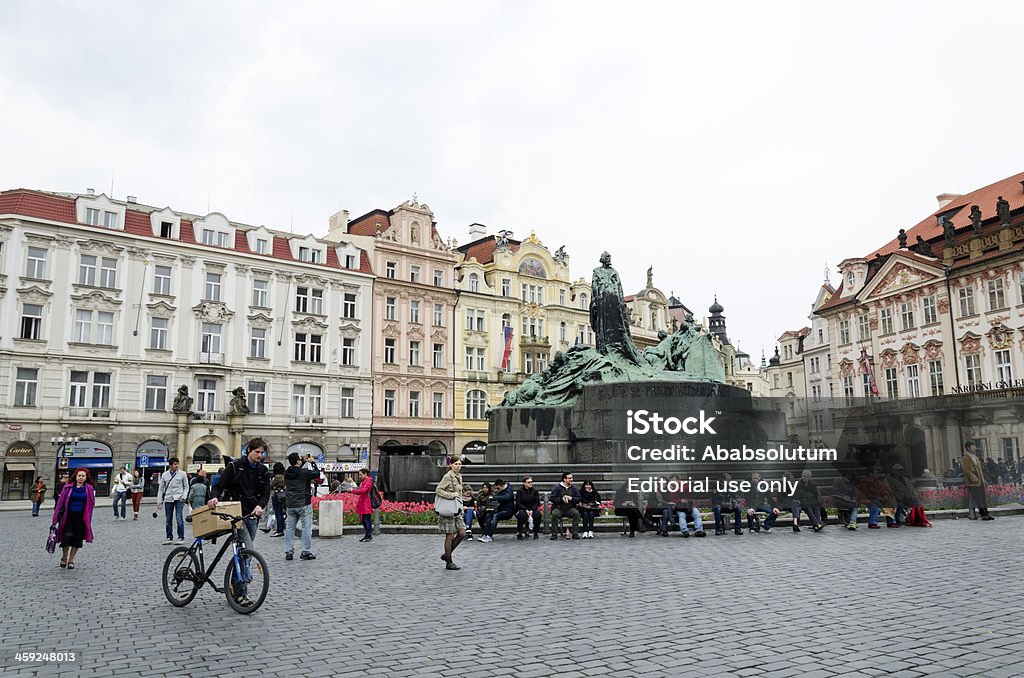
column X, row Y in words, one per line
column 927, row 332
column 517, row 306
column 115, row 306
column 414, row 328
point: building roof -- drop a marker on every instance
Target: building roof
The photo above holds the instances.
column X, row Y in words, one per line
column 483, row 249
column 958, row 212
column 60, row 207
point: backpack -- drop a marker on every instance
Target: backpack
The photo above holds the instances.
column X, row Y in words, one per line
column 917, row 517
column 375, row 500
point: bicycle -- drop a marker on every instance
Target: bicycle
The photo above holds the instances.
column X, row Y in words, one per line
column 247, row 572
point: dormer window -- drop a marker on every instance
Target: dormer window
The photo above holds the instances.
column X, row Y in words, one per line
column 165, row 224
column 166, row 229
column 851, row 279
column 215, row 238
column 109, row 219
column 309, row 254
column 350, row 261
column 100, row 211
column 261, row 246
column 92, row 216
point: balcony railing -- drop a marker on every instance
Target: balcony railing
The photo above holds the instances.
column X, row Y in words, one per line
column 209, row 416
column 211, row 358
column 88, row 413
column 308, row 419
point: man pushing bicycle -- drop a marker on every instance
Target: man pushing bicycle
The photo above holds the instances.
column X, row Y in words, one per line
column 246, row 480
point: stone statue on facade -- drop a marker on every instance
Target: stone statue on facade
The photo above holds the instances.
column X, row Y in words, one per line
column 1003, row 211
column 560, row 256
column 238, row 404
column 922, row 247
column 948, row 230
column 182, row 401
column 501, row 241
column 650, row 277
column 902, row 237
column 976, row 218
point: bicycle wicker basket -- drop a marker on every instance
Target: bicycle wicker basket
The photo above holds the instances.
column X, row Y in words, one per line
column 206, row 525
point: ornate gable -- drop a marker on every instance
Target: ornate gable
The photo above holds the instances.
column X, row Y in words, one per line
column 899, row 277
column 96, row 300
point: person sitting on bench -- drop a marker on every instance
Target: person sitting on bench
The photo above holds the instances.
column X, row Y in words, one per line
column 759, row 502
column 565, row 500
column 528, row 516
column 723, row 499
column 505, row 508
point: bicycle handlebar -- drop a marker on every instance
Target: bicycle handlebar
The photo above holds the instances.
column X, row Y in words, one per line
column 229, row 517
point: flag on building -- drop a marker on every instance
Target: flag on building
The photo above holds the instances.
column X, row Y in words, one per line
column 508, row 348
column 865, row 365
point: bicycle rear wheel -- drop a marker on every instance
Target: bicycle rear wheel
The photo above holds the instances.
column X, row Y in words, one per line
column 181, row 577
column 245, row 594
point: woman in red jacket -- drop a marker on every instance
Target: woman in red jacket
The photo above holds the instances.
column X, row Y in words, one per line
column 363, row 507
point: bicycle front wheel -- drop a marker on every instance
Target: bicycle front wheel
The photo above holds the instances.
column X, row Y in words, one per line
column 246, row 587
column 182, row 576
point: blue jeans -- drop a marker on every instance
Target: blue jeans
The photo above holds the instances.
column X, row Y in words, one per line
column 304, row 517
column 874, row 510
column 467, row 515
column 179, row 508
column 698, row 524
column 496, row 517
column 248, row 534
column 367, row 520
column 35, row 508
column 667, row 517
column 588, row 519
column 753, row 520
column 121, row 497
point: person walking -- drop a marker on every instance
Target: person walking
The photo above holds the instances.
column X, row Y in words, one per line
column 363, row 508
column 974, row 479
column 136, row 488
column 73, row 516
column 298, row 506
column 198, row 491
column 452, row 527
column 171, row 495
column 38, row 494
column 278, row 499
column 122, row 483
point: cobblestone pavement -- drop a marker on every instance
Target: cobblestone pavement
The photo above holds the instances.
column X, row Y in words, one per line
column 908, row 602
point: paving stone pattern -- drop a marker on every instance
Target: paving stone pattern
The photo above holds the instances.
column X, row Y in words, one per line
column 944, row 601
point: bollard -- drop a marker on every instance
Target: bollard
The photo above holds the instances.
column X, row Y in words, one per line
column 332, row 518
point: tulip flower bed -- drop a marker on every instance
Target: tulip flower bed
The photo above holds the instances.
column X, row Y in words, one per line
column 395, row 512
column 956, row 497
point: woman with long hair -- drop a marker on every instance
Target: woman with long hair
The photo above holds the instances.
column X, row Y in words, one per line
column 73, row 516
column 452, row 527
column 137, row 486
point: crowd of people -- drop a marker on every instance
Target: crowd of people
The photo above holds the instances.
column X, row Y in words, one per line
column 888, row 496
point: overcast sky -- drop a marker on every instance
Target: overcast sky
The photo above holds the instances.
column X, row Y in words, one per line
column 735, row 147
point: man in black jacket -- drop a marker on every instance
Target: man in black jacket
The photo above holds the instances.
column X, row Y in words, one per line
column 297, row 506
column 246, row 480
column 527, row 510
column 564, row 502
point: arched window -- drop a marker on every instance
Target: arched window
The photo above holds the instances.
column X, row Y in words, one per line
column 474, row 282
column 506, row 320
column 476, row 403
column 561, row 331
column 583, row 301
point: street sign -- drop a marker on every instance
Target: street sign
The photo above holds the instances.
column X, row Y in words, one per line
column 320, row 458
column 143, row 461
column 364, row 455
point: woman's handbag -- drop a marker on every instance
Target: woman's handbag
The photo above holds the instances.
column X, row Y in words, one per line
column 446, row 508
column 51, row 540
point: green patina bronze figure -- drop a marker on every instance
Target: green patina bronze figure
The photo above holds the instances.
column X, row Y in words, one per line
column 685, row 355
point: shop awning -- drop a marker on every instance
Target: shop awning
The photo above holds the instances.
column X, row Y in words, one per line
column 20, row 466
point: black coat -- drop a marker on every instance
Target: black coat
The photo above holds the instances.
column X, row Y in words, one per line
column 241, row 482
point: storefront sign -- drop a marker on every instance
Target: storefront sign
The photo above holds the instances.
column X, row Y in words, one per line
column 20, row 448
column 87, row 448
column 14, row 427
column 345, row 467
column 474, row 447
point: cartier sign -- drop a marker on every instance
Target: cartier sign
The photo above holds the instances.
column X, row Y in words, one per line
column 21, row 449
